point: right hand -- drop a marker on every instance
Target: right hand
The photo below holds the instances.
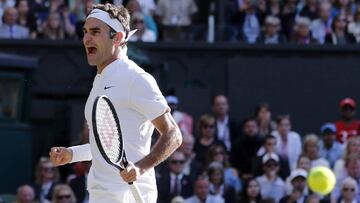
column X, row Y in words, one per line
column 60, row 155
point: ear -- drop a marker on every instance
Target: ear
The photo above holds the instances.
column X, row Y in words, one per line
column 119, row 38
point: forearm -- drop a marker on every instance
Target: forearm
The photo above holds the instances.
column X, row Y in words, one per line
column 163, row 148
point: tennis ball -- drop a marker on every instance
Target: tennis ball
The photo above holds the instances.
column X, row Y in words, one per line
column 321, row 180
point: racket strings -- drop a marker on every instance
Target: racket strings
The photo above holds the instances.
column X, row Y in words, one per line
column 108, row 131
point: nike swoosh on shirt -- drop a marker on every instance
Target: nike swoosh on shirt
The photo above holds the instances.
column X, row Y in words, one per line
column 108, row 87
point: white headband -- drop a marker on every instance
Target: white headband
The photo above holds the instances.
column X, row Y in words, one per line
column 112, row 22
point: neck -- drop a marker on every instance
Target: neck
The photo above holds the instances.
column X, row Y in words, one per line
column 221, row 117
column 270, row 176
column 119, row 53
column 339, row 32
column 328, row 145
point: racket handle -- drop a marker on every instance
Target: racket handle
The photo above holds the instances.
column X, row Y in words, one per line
column 136, row 192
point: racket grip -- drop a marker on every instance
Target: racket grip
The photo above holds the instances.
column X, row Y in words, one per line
column 136, row 192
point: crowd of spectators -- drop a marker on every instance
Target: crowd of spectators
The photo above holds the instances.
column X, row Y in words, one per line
column 258, row 160
column 248, row 21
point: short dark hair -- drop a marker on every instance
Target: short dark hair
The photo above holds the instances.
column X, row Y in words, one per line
column 281, row 118
column 118, row 12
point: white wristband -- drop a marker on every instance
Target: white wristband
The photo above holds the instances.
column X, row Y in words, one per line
column 81, row 153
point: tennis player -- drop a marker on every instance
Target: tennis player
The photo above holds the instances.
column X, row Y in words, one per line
column 139, row 104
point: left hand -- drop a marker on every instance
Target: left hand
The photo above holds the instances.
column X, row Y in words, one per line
column 131, row 173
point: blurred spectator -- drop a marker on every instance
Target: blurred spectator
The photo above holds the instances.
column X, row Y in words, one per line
column 339, row 34
column 192, row 167
column 63, row 194
column 271, row 185
column 217, row 153
column 26, row 17
column 78, row 182
column 201, row 192
column 288, row 143
column 215, row 172
column 289, row 13
column 313, row 198
column 175, row 17
column 330, row 149
column 251, row 192
column 178, row 199
column 206, row 137
column 322, row 26
column 302, row 164
column 302, row 34
column 269, row 146
column 5, row 4
column 349, row 189
column 25, row 194
column 226, row 127
column 53, row 28
column 134, row 7
column 273, row 8
column 46, row 178
column 246, row 147
column 352, row 147
column 249, row 22
column 10, row 29
column 142, row 34
column 348, row 125
column 80, row 10
column 298, row 181
column 173, row 182
column 311, row 150
column 148, row 6
column 310, row 9
column 354, row 27
column 352, row 168
column 263, row 115
column 345, row 8
column 271, row 32
column 183, row 119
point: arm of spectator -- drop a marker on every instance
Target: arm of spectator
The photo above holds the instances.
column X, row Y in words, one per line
column 69, row 27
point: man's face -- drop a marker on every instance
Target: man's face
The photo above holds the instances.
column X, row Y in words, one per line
column 202, row 189
column 325, row 11
column 312, row 150
column 176, row 162
column 270, row 145
column 353, row 169
column 26, row 195
column 10, row 16
column 98, row 45
column 271, row 167
column 347, row 112
column 187, row 145
column 251, row 128
column 220, row 106
column 284, row 127
column 329, row 137
column 299, row 183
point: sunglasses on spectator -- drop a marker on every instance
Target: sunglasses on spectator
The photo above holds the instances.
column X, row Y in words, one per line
column 177, row 161
column 48, row 169
column 348, row 189
column 271, row 165
column 59, row 197
column 138, row 21
column 219, row 152
column 208, row 126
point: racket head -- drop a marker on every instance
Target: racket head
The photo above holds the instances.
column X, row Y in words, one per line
column 107, row 132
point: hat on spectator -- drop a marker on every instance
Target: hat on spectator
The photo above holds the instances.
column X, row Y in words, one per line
column 299, row 172
column 273, row 20
column 172, row 99
column 328, row 127
column 270, row 156
column 348, row 102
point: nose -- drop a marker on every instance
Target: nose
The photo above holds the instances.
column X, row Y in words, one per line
column 86, row 38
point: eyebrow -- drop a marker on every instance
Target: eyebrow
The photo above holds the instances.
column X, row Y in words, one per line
column 92, row 29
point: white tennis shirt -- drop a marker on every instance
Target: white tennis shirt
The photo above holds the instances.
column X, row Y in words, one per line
column 137, row 100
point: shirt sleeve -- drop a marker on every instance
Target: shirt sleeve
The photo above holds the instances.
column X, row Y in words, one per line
column 81, row 153
column 146, row 97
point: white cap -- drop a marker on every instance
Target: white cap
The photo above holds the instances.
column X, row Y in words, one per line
column 270, row 156
column 298, row 172
column 172, row 100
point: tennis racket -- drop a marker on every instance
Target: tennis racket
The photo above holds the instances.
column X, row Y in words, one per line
column 108, row 137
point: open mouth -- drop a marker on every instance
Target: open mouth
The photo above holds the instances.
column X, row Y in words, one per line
column 91, row 50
